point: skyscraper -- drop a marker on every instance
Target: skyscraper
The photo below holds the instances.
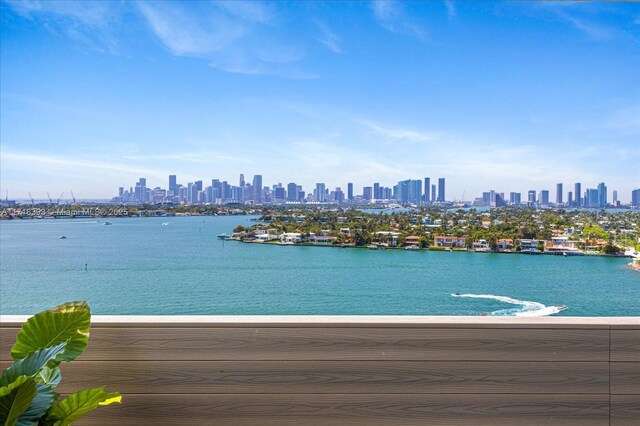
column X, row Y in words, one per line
column 415, row 192
column 531, row 198
column 427, row 187
column 292, row 192
column 376, row 191
column 433, row 193
column 173, row 183
column 615, row 198
column 515, row 198
column 559, row 193
column 570, row 199
column 544, row 197
column 257, row 188
column 350, row 191
column 602, row 195
column 577, row 195
column 402, row 195
column 367, row 193
column 321, row 192
column 635, row 197
column 441, row 196
column 592, row 198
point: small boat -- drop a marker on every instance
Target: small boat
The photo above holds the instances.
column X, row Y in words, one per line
column 412, row 247
column 373, row 247
column 62, row 237
column 165, row 224
column 562, row 307
column 108, row 223
column 223, row 236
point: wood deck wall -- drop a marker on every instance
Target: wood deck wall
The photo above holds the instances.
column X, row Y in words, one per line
column 327, row 370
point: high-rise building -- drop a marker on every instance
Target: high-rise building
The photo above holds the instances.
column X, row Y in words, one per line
column 279, row 194
column 402, row 194
column 367, row 193
column 415, row 192
column 292, row 192
column 515, row 198
column 591, row 199
column 635, row 197
column 433, row 193
column 602, row 195
column 544, row 197
column 173, row 184
column 241, row 180
column 558, row 193
column 441, row 195
column 376, row 191
column 427, row 187
column 338, row 195
column 257, row 188
column 350, row 191
column 615, row 198
column 199, row 185
column 531, row 198
column 570, row 199
column 577, row 195
column 486, row 198
column 320, row 194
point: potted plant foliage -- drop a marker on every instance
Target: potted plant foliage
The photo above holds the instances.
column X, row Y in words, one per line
column 27, row 395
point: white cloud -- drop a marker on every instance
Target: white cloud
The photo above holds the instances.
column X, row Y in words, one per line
column 235, row 37
column 329, row 38
column 392, row 16
column 90, row 24
column 451, row 8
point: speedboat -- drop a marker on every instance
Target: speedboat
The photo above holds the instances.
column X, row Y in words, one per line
column 412, row 247
column 108, row 223
column 62, row 237
column 222, row 236
column 562, row 307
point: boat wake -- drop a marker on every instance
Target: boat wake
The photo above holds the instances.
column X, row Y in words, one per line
column 525, row 309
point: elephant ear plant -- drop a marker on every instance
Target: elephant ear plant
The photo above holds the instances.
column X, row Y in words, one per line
column 27, row 394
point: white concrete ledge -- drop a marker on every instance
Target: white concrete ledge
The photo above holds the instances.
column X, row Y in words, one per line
column 355, row 320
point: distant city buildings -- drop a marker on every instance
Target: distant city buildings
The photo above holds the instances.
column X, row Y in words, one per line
column 411, row 192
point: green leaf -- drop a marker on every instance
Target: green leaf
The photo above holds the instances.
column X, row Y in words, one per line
column 15, row 398
column 69, row 323
column 39, row 406
column 78, row 404
column 41, row 365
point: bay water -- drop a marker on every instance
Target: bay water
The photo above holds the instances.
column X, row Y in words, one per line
column 177, row 265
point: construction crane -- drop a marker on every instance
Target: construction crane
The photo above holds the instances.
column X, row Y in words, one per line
column 32, row 202
column 49, row 197
column 60, row 197
column 73, row 196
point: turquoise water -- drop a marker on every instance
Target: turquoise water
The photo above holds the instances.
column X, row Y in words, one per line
column 138, row 266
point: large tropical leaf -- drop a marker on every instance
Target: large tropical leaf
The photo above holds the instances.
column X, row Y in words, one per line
column 39, row 405
column 42, row 365
column 69, row 323
column 15, row 398
column 78, row 404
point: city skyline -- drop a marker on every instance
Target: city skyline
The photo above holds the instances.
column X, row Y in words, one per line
column 406, row 192
column 96, row 95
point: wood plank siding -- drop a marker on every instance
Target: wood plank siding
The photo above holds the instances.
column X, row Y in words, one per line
column 358, row 370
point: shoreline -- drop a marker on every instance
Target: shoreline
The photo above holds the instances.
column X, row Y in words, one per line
column 438, row 250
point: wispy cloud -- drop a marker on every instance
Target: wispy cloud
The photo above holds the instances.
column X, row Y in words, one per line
column 328, row 38
column 236, row 37
column 574, row 13
column 451, row 8
column 397, row 134
column 90, row 24
column 391, row 15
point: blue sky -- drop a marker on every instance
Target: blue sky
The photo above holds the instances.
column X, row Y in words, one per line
column 504, row 96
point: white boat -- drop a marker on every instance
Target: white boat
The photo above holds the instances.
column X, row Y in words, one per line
column 223, row 236
column 412, row 247
column 165, row 223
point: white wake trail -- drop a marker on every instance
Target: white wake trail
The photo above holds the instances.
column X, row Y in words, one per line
column 527, row 308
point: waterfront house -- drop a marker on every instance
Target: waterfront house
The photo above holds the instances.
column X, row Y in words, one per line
column 559, row 244
column 388, row 237
column 290, row 237
column 345, row 231
column 450, row 242
column 505, row 244
column 527, row 244
column 412, row 240
column 481, row 245
column 322, row 239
